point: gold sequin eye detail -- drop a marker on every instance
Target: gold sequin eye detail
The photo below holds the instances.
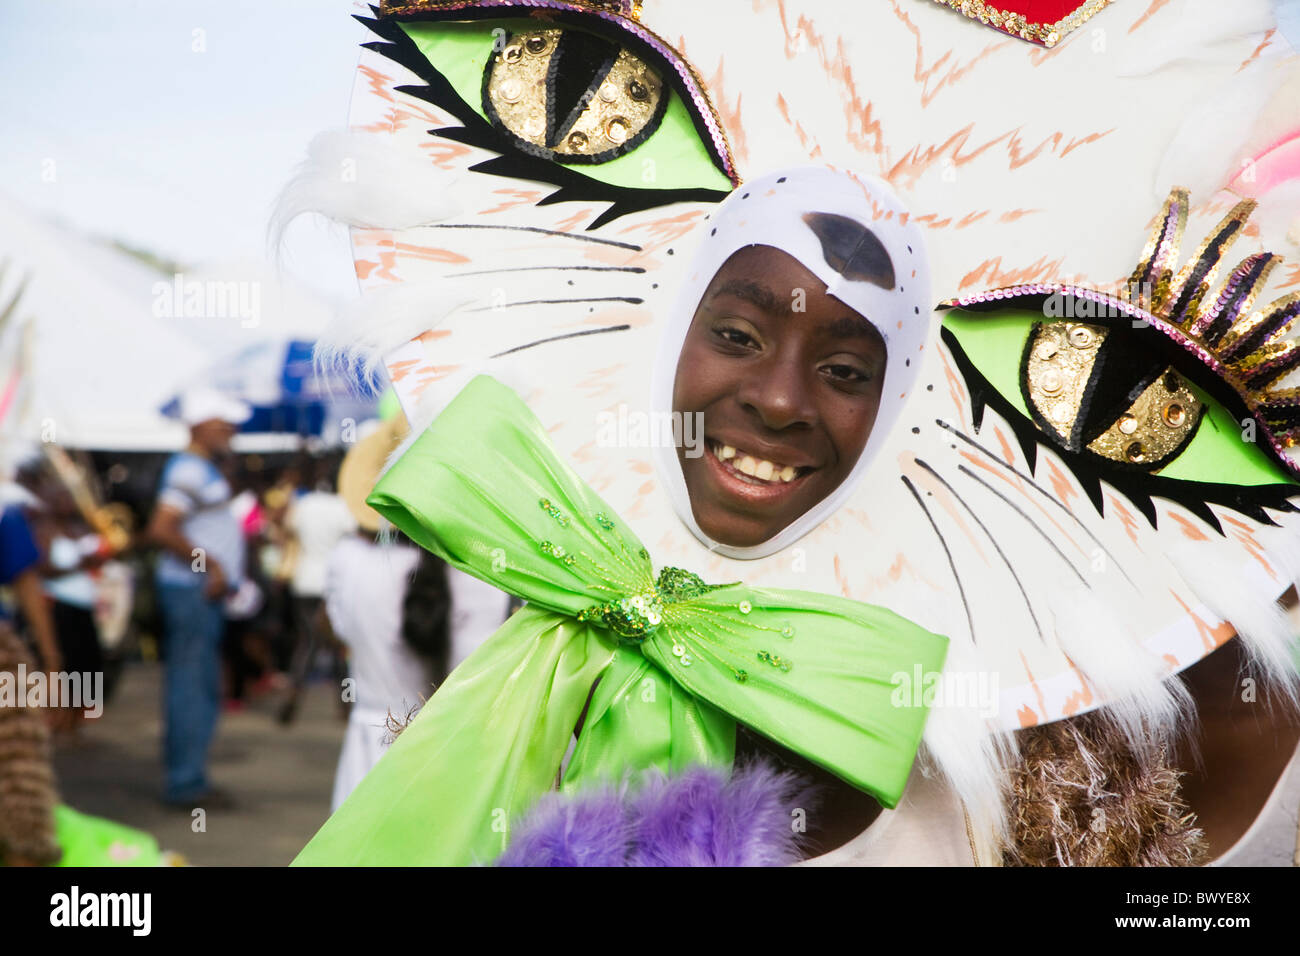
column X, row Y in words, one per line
column 1061, row 360
column 1081, row 337
column 571, row 96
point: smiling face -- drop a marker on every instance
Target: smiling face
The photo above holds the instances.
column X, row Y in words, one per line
column 788, row 380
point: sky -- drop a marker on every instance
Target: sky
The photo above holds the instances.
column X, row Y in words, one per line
column 173, row 125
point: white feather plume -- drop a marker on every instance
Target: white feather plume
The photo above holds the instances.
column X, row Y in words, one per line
column 364, row 179
column 1207, row 150
column 1195, row 30
column 1247, row 602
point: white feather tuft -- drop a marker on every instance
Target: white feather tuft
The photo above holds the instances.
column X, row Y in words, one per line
column 1249, row 603
column 1278, row 217
column 370, row 180
column 1195, row 30
column 962, row 743
column 359, row 338
column 1140, row 701
column 1206, row 152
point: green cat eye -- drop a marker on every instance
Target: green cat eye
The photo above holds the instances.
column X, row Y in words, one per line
column 1221, row 450
column 617, row 122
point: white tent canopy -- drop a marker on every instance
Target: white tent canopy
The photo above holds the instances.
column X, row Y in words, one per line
column 111, row 340
column 97, row 363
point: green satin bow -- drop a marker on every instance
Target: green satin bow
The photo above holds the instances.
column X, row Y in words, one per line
column 675, row 662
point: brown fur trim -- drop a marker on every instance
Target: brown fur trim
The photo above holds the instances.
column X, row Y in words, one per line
column 1081, row 796
column 27, row 790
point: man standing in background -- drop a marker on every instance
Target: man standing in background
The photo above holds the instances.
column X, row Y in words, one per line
column 202, row 563
column 316, row 521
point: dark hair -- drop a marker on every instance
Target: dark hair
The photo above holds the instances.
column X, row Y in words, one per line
column 426, row 615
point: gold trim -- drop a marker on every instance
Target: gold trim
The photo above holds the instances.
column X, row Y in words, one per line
column 1203, row 302
column 1231, row 224
column 1158, row 259
column 1048, row 34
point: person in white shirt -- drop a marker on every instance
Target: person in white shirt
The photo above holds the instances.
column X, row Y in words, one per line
column 366, row 592
column 202, row 562
column 316, row 522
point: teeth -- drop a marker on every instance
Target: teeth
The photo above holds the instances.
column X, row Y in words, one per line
column 759, row 468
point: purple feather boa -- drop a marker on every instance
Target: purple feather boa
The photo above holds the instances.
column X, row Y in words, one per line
column 701, row 817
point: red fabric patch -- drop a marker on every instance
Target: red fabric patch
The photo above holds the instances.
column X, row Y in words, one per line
column 1040, row 11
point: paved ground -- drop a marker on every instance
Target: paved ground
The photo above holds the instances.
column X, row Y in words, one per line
column 279, row 777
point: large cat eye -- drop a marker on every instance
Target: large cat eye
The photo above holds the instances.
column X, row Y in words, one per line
column 599, row 107
column 1172, row 387
column 1172, row 438
column 572, row 97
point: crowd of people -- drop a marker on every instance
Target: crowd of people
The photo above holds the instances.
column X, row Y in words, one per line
column 247, row 579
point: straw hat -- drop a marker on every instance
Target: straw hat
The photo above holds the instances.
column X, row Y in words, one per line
column 362, row 466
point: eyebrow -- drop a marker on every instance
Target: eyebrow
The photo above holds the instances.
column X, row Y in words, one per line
column 855, row 327
column 752, row 292
column 845, row 327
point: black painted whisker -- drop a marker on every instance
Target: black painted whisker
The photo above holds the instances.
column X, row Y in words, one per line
column 485, row 272
column 566, row 335
column 1030, row 521
column 961, row 591
column 629, row 299
column 992, row 540
column 578, row 237
column 1037, row 487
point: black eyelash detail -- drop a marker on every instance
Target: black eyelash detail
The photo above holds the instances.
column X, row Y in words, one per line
column 512, row 162
column 1138, row 487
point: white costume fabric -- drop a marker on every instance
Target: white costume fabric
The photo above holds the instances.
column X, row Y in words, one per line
column 318, row 520
column 477, row 609
column 365, row 586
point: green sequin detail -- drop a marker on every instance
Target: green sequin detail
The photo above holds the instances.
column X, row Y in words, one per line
column 604, row 521
column 557, row 551
column 636, row 617
column 780, row 663
column 560, row 517
column 679, row 585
